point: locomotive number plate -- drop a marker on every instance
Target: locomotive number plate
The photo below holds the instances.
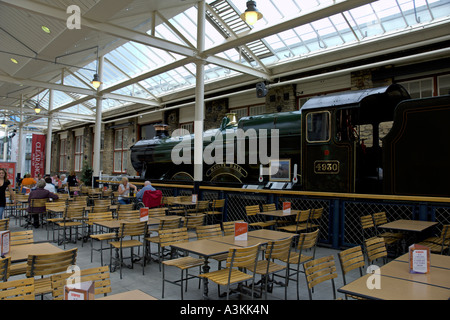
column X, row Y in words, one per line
column 326, row 167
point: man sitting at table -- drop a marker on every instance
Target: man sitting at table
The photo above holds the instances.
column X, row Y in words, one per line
column 39, row 193
column 147, row 186
column 124, row 191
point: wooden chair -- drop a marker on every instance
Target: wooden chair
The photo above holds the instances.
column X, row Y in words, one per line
column 22, row 289
column 208, row 231
column 100, row 208
column 253, row 218
column 307, row 241
column 192, row 222
column 238, row 258
column 379, row 218
column 376, row 249
column 43, row 266
column 102, row 202
column 351, row 259
column 73, row 219
column 95, row 235
column 438, row 244
column 35, row 203
column 19, row 238
column 228, row 227
column 4, row 224
column 107, row 195
column 54, row 213
column 99, row 275
column 5, row 268
column 75, row 192
column 174, row 209
column 314, row 219
column 276, row 250
column 128, row 214
column 157, row 212
column 318, row 271
column 367, row 227
column 200, row 207
column 125, row 207
column 164, row 228
column 269, row 207
column 217, row 207
column 128, row 233
column 167, row 238
column 21, row 207
column 300, row 224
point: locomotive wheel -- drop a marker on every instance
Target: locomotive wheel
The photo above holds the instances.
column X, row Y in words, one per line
column 182, row 176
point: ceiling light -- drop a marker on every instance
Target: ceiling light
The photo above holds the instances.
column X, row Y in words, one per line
column 37, row 108
column 45, row 29
column 3, row 123
column 14, row 61
column 96, row 83
column 251, row 15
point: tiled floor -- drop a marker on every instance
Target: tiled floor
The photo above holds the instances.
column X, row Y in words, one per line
column 151, row 281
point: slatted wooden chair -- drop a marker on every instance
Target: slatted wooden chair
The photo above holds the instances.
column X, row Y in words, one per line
column 75, row 192
column 307, row 242
column 128, row 215
column 376, row 249
column 380, row 218
column 277, row 250
column 107, row 194
column 439, row 243
column 125, row 207
column 367, row 227
column 315, row 218
column 35, row 203
column 157, row 212
column 192, row 222
column 54, row 213
column 100, row 208
column 239, row 258
column 300, row 224
column 22, row 289
column 184, row 264
column 21, row 207
column 96, row 235
column 254, row 219
column 102, row 202
column 5, row 268
column 73, row 220
column 228, row 227
column 216, row 211
column 42, row 266
column 174, row 209
column 131, row 235
column 318, row 271
column 4, row 224
column 351, row 259
column 209, row 231
column 19, row 238
column 99, row 275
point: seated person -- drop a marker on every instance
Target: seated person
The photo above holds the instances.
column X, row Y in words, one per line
column 28, row 182
column 49, row 185
column 124, row 191
column 147, row 186
column 39, row 193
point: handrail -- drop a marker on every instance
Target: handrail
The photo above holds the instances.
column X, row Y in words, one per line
column 305, row 193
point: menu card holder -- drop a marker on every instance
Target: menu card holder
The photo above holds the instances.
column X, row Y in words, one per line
column 419, row 259
column 240, row 230
column 143, row 214
column 80, row 291
column 286, row 207
column 194, row 198
column 5, row 237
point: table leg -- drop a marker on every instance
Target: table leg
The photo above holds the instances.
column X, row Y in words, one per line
column 205, row 269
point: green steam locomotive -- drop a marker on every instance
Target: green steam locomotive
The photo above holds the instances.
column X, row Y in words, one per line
column 369, row 141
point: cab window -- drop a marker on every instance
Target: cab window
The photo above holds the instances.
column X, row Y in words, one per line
column 318, row 127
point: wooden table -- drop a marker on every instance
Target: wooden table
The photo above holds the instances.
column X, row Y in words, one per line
column 206, row 249
column 129, row 295
column 410, row 228
column 184, row 204
column 267, row 234
column 397, row 283
column 279, row 213
column 20, row 253
column 231, row 241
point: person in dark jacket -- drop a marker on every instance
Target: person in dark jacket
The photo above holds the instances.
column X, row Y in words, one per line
column 39, row 193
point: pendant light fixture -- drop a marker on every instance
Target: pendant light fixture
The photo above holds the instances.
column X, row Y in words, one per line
column 96, row 83
column 3, row 123
column 37, row 108
column 251, row 15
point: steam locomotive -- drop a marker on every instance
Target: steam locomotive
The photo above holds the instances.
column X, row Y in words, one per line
column 376, row 140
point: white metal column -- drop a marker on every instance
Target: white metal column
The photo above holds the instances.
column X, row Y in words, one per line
column 199, row 95
column 20, row 152
column 98, row 123
column 48, row 143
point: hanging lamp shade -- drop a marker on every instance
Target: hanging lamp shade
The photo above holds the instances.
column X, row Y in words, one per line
column 3, row 123
column 251, row 15
column 96, row 83
column 37, row 108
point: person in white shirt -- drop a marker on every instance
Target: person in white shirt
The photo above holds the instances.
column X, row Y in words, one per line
column 49, row 185
column 124, row 190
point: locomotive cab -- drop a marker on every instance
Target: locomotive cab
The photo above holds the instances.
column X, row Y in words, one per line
column 341, row 150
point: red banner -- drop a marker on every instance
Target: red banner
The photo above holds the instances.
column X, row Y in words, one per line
column 37, row 155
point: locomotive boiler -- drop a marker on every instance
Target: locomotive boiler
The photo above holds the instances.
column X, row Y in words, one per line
column 368, row 141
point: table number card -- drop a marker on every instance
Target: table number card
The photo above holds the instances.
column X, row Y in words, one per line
column 419, row 259
column 143, row 214
column 5, row 237
column 80, row 291
column 194, row 198
column 286, row 207
column 240, row 230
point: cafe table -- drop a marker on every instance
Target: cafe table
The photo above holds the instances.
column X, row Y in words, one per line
column 268, row 234
column 436, row 260
column 20, row 253
column 185, row 204
column 129, row 295
column 410, row 228
column 397, row 283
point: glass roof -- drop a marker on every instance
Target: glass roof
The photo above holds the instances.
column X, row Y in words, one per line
column 367, row 22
